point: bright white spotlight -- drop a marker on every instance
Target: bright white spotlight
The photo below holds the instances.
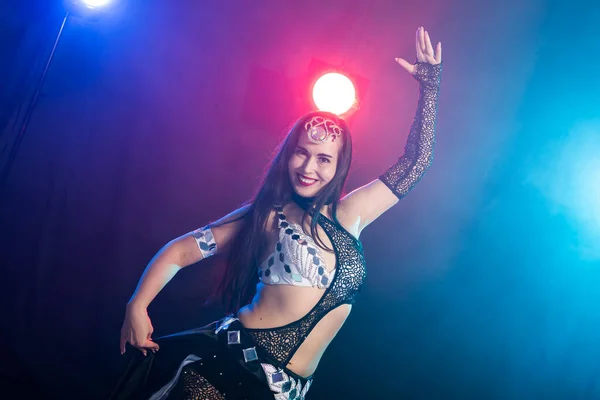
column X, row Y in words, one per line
column 335, row 93
column 96, row 3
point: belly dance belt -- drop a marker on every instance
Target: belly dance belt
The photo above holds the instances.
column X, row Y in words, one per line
column 218, row 361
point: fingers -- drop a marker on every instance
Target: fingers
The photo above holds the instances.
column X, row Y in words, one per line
column 148, row 345
column 428, row 46
column 406, row 65
column 425, row 50
column 152, row 346
column 142, row 345
column 422, row 42
column 418, row 44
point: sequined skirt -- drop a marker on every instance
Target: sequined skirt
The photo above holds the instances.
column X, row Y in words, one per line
column 217, row 361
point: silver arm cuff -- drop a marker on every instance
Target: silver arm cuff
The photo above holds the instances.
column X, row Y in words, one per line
column 205, row 241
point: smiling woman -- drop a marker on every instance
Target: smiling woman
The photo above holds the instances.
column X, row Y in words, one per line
column 313, row 164
column 295, row 264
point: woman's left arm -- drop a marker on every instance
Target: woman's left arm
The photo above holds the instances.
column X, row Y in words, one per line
column 363, row 205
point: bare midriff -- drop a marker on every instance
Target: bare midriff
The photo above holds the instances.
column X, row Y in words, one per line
column 278, row 305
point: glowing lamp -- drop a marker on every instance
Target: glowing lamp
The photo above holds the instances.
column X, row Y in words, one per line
column 95, row 3
column 335, row 93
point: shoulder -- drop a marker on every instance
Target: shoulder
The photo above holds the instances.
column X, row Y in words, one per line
column 233, row 216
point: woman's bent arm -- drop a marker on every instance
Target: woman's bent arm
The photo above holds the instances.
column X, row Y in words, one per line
column 179, row 253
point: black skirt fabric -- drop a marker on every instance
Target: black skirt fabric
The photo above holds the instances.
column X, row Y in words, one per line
column 218, row 361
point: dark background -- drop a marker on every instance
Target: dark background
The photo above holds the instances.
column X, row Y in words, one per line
column 157, row 117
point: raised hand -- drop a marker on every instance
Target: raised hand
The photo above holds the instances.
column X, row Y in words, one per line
column 425, row 52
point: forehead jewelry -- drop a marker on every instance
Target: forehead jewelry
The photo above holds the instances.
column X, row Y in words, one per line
column 319, row 129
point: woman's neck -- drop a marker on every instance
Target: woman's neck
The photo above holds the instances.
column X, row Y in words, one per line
column 303, row 202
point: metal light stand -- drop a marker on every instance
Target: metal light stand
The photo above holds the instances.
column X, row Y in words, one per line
column 17, row 143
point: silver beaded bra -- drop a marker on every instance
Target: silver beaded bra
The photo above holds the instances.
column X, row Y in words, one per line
column 296, row 260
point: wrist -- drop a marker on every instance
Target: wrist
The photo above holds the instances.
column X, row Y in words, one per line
column 428, row 75
column 136, row 305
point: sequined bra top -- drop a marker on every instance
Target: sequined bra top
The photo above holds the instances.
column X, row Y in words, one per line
column 296, row 260
column 281, row 343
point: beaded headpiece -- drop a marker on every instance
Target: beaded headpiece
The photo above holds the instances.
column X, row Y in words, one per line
column 319, row 129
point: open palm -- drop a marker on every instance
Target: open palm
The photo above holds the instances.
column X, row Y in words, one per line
column 425, row 52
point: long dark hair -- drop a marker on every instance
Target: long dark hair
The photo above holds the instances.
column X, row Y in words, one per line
column 239, row 280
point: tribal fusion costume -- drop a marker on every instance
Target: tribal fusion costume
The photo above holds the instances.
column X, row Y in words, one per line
column 225, row 360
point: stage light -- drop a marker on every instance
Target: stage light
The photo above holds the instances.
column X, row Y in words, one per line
column 335, row 93
column 95, row 3
column 85, row 9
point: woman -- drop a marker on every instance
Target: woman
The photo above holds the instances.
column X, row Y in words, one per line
column 295, row 264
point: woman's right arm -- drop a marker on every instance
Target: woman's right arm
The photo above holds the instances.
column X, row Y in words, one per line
column 175, row 255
